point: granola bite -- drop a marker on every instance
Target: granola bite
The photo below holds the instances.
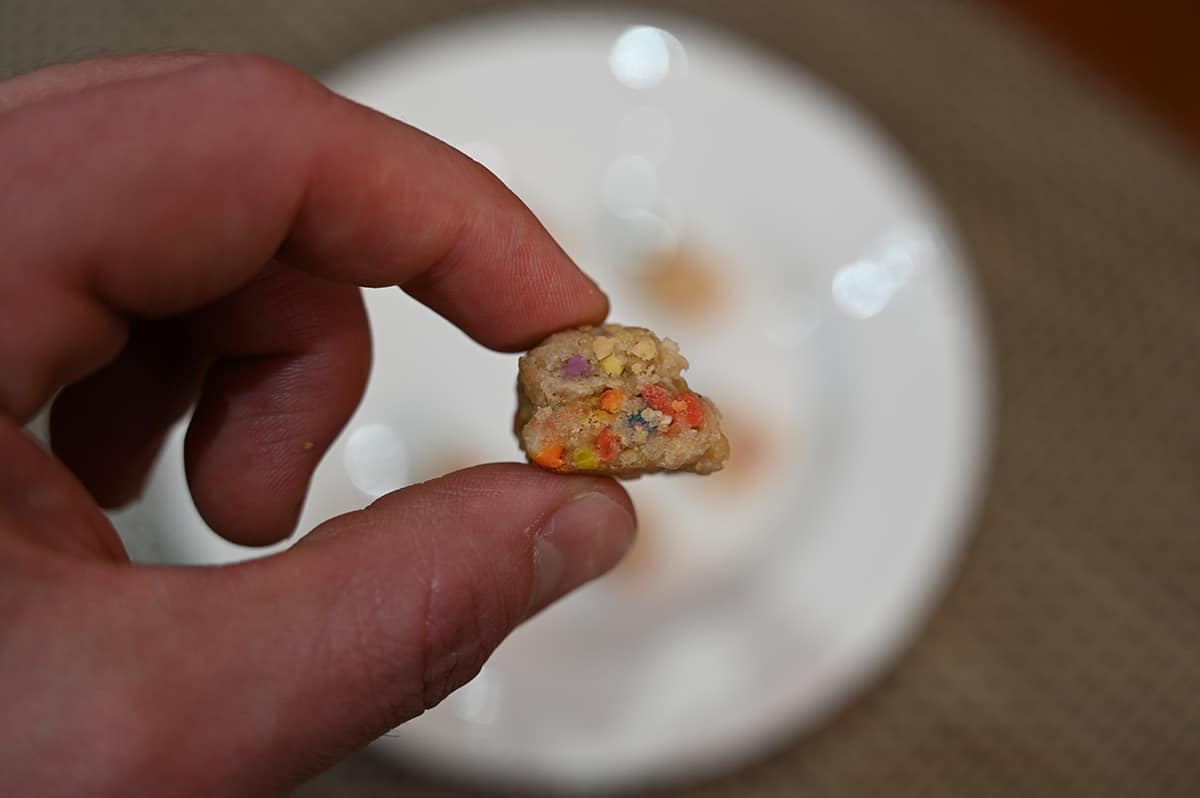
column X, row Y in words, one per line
column 610, row 400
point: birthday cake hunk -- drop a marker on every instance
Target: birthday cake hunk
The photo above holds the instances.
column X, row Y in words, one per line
column 609, row 400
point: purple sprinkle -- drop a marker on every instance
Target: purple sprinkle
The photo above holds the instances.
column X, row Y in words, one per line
column 576, row 366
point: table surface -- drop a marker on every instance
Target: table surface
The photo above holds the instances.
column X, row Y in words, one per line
column 1065, row 659
column 1146, row 49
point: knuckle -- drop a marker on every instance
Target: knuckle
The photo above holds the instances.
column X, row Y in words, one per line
column 263, row 77
column 462, row 628
column 410, row 655
column 452, row 654
column 381, row 650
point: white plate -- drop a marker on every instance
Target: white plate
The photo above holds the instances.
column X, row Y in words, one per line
column 846, row 351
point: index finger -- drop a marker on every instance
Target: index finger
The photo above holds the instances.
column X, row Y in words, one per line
column 152, row 196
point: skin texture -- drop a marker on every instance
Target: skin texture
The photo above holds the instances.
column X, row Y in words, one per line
column 190, row 230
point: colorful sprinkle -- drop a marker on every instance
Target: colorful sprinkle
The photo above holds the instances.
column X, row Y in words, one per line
column 550, row 457
column 611, row 400
column 641, row 426
column 584, row 459
column 602, row 417
column 613, row 365
column 608, row 444
column 657, row 397
column 693, row 409
column 576, row 366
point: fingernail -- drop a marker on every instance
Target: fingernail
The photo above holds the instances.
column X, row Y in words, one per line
column 581, row 540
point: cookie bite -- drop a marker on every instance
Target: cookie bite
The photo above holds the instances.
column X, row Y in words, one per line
column 610, row 400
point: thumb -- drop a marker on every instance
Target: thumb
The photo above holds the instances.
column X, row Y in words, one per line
column 379, row 614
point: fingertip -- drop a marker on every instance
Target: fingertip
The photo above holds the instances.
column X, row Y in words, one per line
column 579, row 527
column 251, row 501
column 582, row 539
column 258, row 432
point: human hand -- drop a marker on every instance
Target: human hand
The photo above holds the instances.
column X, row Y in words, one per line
column 192, row 229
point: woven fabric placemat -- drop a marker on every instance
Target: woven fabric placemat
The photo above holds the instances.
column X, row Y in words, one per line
column 1065, row 659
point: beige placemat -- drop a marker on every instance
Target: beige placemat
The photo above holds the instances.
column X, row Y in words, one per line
column 1066, row 658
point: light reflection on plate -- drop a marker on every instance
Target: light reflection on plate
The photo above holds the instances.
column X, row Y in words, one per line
column 847, row 350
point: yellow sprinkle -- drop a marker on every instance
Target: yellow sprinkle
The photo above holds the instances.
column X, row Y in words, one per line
column 613, row 365
column 585, row 459
column 644, row 348
column 640, row 435
column 602, row 347
column 601, row 417
column 308, row 446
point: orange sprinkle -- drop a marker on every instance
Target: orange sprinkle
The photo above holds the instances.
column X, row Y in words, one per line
column 550, row 457
column 693, row 413
column 608, row 444
column 611, row 400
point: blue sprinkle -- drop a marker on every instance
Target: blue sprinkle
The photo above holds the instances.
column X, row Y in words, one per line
column 636, row 421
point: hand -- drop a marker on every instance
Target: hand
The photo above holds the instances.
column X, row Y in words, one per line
column 191, row 230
